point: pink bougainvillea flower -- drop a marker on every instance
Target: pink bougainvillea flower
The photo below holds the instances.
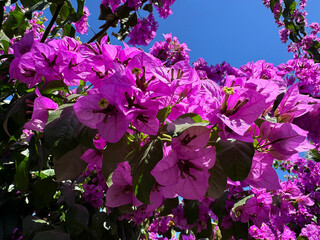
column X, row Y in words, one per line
column 256, row 208
column 24, row 45
column 285, row 139
column 121, row 191
column 93, row 156
column 23, row 69
column 82, row 24
column 144, row 117
column 185, row 174
column 104, row 112
column 99, row 142
column 293, row 105
column 310, row 122
column 40, row 112
column 193, row 138
column 266, row 87
column 262, row 174
column 241, row 107
column 45, row 59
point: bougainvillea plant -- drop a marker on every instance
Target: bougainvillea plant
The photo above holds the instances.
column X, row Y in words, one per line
column 100, row 141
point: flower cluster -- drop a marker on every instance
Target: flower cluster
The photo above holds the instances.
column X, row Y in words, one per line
column 143, row 32
column 129, row 90
column 82, row 24
column 170, row 51
column 294, row 25
column 158, row 146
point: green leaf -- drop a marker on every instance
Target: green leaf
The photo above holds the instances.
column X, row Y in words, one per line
column 16, row 23
column 43, row 192
column 241, row 202
column 21, row 176
column 80, row 8
column 55, row 114
column 51, row 235
column 207, row 232
column 123, row 11
column 114, row 154
column 62, row 141
column 142, row 179
column 217, row 181
column 191, row 210
column 68, row 30
column 17, row 112
column 302, row 238
column 69, row 194
column 41, row 5
column 67, row 12
column 191, row 116
column 45, row 173
column 55, row 85
column 5, row 41
column 104, row 12
column 218, row 206
column 31, row 224
column 148, row 7
column 163, row 113
column 98, row 219
column 77, row 218
column 178, row 129
column 132, row 20
column 57, row 1
column 168, row 205
column 85, row 136
column 235, row 157
column 240, row 230
column 70, row 165
column 29, row 3
column 8, row 2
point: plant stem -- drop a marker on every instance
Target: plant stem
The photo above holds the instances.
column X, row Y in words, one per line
column 54, row 17
column 108, row 24
column 1, row 14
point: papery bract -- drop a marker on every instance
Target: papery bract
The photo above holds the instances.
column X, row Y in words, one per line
column 121, row 191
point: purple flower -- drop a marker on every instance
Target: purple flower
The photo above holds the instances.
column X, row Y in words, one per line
column 121, row 191
column 262, row 174
column 257, row 209
column 93, row 156
column 24, row 45
column 285, row 139
column 292, row 105
column 311, row 231
column 240, row 108
column 82, row 24
column 170, row 51
column 310, row 122
column 40, row 112
column 163, row 8
column 23, row 69
column 93, row 194
column 104, row 112
column 185, row 173
column 143, row 32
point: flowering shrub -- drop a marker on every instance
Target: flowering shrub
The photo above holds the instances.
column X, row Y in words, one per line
column 100, row 141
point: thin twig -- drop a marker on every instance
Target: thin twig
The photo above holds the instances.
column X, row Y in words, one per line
column 109, row 23
column 54, row 17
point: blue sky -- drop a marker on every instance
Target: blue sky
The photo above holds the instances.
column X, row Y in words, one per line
column 235, row 31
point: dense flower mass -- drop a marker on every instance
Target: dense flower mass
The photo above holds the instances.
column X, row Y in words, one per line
column 144, row 31
column 106, row 141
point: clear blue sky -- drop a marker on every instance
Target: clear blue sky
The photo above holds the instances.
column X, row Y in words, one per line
column 235, row 31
